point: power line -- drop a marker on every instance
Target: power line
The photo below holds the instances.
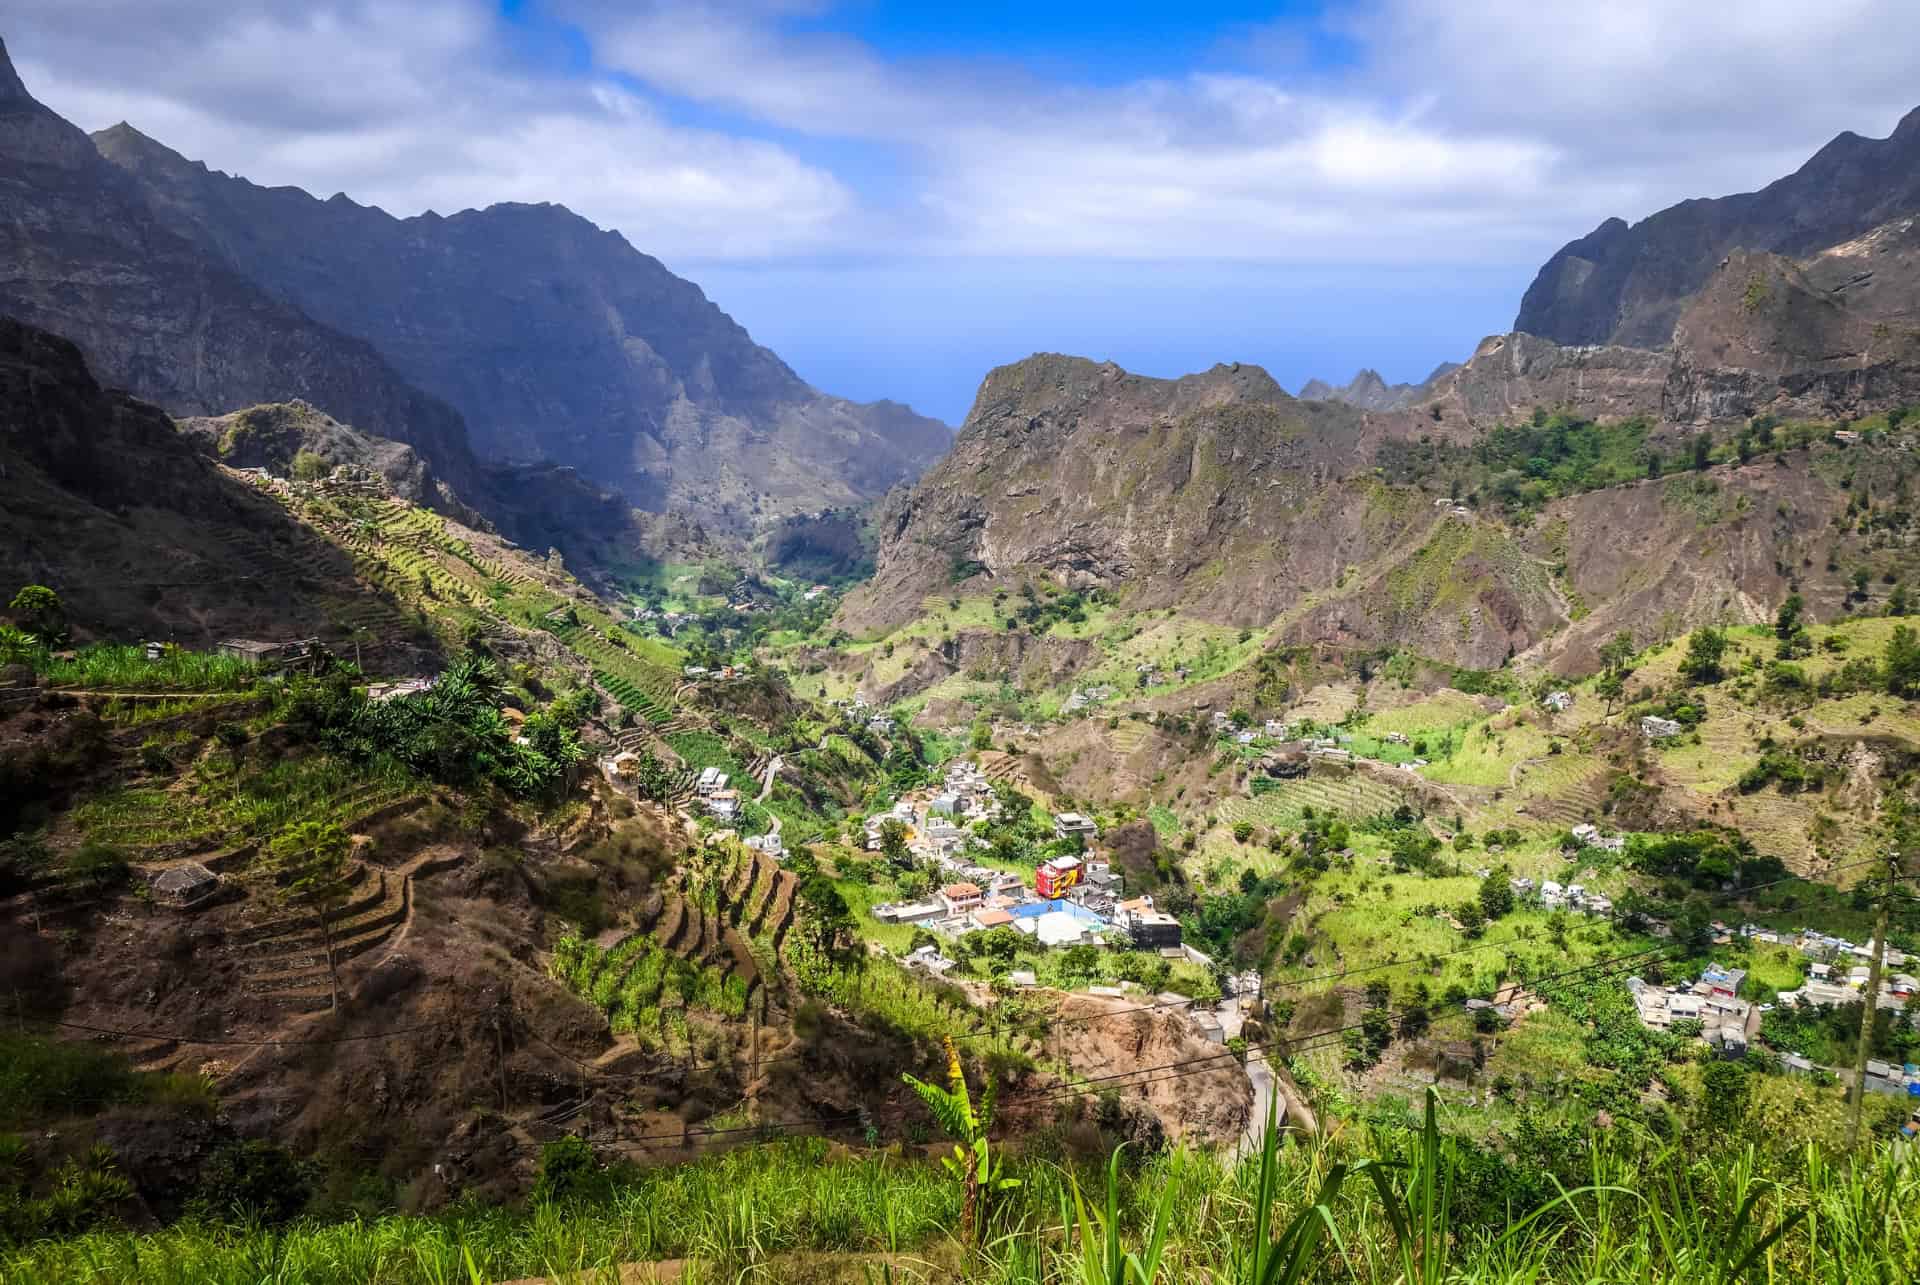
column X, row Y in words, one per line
column 240, row 1043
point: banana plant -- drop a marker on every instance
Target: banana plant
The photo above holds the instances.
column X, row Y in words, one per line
column 973, row 1161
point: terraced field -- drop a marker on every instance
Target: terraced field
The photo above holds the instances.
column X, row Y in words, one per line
column 644, row 687
column 1283, row 803
column 647, row 981
column 230, row 809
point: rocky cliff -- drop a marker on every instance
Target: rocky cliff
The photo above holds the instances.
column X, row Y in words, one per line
column 554, row 338
column 81, row 254
column 1223, row 497
column 1624, row 284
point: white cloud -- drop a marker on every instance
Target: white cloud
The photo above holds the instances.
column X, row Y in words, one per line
column 1483, row 132
column 416, row 107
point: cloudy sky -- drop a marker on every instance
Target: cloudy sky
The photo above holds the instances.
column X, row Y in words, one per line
column 896, row 197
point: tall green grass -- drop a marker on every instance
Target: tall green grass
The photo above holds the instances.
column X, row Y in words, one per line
column 108, row 667
column 1374, row 1207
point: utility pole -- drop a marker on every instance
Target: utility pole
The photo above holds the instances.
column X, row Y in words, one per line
column 1872, row 1006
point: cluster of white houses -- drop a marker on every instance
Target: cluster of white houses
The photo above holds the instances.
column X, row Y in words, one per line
column 1072, row 900
column 1555, row 896
column 1837, row 976
column 1727, row 1022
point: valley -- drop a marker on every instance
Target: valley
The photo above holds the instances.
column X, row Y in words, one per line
column 501, row 780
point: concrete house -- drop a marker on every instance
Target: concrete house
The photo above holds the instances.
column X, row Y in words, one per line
column 1068, row 824
column 960, row 898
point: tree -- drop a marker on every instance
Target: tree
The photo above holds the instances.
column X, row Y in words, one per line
column 1654, row 465
column 39, row 610
column 1861, row 578
column 1610, row 687
column 893, row 841
column 1706, row 654
column 1702, row 450
column 651, row 777
column 1903, row 663
column 308, row 466
column 1897, row 604
column 827, row 918
column 1496, row 893
column 1080, row 962
column 1617, row 653
column 982, row 738
column 1787, row 619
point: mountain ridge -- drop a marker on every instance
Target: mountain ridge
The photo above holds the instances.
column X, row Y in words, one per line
column 1624, row 283
column 81, row 256
column 555, row 338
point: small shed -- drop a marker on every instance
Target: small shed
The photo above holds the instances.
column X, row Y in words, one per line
column 187, row 884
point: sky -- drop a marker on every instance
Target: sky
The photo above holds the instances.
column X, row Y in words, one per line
column 897, row 197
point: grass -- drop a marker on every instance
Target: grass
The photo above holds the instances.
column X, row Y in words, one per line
column 231, row 802
column 1390, row 1206
column 106, row 667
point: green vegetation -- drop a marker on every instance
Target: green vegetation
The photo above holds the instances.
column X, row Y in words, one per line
column 643, row 989
column 1386, row 1203
column 105, row 667
column 453, row 732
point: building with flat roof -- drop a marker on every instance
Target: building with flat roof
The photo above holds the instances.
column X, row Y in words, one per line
column 1068, row 824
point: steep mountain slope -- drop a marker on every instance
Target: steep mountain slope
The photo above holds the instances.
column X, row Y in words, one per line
column 1625, row 284
column 80, row 254
column 554, row 338
column 1216, row 492
column 141, row 535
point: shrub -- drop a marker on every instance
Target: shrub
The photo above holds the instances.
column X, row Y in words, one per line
column 254, row 1182
column 308, row 466
column 98, row 866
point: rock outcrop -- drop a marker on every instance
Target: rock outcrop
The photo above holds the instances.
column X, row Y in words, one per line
column 139, row 533
column 1369, row 390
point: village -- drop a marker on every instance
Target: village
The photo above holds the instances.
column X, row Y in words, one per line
column 1711, row 1009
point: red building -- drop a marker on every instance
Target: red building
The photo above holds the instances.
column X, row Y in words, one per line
column 1053, row 878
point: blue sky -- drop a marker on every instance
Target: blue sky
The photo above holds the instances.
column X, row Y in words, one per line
column 896, row 197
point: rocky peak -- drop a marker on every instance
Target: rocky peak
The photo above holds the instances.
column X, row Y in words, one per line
column 1369, row 390
column 135, row 152
column 555, row 338
column 12, row 90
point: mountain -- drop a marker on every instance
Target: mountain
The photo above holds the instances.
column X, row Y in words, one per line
column 554, row 338
column 1626, row 284
column 1216, row 494
column 142, row 535
column 82, row 255
column 1369, row 391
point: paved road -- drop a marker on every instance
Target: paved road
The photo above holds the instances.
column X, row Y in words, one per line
column 1259, row 1074
column 773, row 768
